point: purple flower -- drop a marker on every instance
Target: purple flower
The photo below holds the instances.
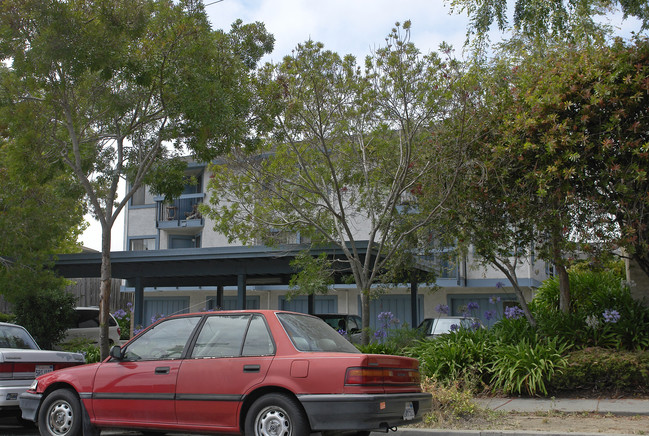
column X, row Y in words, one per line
column 454, row 327
column 500, row 285
column 489, row 314
column 514, row 312
column 386, row 316
column 494, row 299
column 342, row 332
column 472, row 305
column 476, row 325
column 380, row 334
column 442, row 308
column 611, row 316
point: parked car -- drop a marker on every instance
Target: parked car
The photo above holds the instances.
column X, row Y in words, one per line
column 86, row 326
column 350, row 325
column 433, row 327
column 21, row 361
column 257, row 372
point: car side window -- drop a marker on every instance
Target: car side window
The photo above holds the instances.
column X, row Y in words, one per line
column 165, row 340
column 258, row 340
column 352, row 325
column 221, row 336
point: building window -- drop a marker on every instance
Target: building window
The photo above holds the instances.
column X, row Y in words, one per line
column 184, row 241
column 139, row 196
column 142, row 244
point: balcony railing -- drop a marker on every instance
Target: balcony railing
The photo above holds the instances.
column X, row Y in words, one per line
column 182, row 212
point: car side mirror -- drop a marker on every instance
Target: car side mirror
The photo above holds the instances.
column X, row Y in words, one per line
column 116, row 352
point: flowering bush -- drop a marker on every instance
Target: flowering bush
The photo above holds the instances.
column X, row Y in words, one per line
column 123, row 318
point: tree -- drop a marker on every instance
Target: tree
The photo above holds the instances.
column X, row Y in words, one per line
column 353, row 155
column 582, row 119
column 569, row 143
column 40, row 210
column 533, row 19
column 127, row 86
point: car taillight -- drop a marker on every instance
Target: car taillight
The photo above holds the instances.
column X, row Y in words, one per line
column 6, row 371
column 381, row 376
column 119, row 332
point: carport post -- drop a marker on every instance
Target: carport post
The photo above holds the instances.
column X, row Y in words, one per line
column 138, row 310
column 241, row 291
column 219, row 297
column 413, row 301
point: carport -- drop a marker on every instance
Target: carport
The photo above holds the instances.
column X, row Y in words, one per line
column 214, row 266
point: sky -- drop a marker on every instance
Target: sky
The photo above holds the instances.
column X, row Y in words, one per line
column 355, row 27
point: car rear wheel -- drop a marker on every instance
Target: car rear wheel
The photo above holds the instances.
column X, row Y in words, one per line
column 60, row 414
column 276, row 415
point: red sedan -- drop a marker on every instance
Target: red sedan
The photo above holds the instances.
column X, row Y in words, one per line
column 256, row 372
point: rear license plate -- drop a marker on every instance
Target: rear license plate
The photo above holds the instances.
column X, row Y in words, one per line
column 43, row 369
column 409, row 412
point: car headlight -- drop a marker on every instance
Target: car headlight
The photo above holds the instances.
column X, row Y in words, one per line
column 34, row 385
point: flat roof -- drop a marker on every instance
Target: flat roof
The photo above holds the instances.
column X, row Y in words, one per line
column 210, row 266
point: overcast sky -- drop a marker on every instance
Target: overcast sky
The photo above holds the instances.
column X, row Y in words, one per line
column 345, row 26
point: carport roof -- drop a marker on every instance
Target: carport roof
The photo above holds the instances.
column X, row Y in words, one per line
column 213, row 266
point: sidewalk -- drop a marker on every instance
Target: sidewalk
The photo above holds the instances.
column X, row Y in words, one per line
column 627, row 407
column 604, row 406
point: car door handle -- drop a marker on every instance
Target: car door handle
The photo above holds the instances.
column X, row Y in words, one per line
column 162, row 370
column 251, row 368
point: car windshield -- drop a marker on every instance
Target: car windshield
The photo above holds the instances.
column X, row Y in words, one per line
column 309, row 334
column 446, row 325
column 16, row 337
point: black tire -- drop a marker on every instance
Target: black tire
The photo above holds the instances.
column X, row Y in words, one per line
column 276, row 415
column 60, row 414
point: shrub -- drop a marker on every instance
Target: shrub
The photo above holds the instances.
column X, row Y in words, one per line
column 7, row 317
column 603, row 313
column 90, row 350
column 604, row 372
column 527, row 367
column 459, row 356
column 46, row 314
column 123, row 318
column 451, row 403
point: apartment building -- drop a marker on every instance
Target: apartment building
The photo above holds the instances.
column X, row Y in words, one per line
column 178, row 227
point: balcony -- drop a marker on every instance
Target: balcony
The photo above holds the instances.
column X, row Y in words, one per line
column 181, row 213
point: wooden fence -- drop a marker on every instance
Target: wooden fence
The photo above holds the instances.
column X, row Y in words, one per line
column 87, row 293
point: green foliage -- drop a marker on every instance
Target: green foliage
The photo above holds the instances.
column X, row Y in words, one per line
column 380, row 348
column 123, row 318
column 603, row 313
column 604, row 372
column 128, row 87
column 461, row 356
column 527, row 367
column 348, row 144
column 46, row 314
column 89, row 349
column 536, row 20
column 314, row 274
column 8, row 317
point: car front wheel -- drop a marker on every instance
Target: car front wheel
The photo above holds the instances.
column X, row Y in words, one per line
column 60, row 414
column 276, row 415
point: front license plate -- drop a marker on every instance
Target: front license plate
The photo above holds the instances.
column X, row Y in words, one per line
column 43, row 369
column 409, row 413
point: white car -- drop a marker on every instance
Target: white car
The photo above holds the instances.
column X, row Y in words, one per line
column 86, row 326
column 434, row 327
column 21, row 361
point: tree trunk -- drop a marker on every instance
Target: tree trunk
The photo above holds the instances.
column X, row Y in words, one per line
column 564, row 288
column 104, row 293
column 365, row 316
